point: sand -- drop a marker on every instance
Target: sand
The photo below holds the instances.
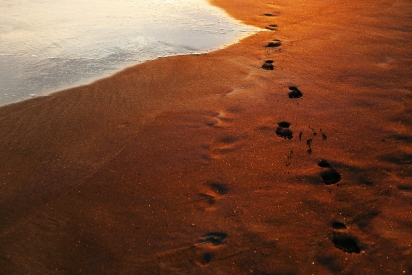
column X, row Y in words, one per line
column 205, row 165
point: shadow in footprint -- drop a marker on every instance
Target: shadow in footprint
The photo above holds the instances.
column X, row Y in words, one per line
column 214, row 238
column 219, row 188
column 330, row 175
column 283, row 130
column 272, row 27
column 206, row 258
column 273, row 44
column 272, row 13
column 208, row 198
column 211, row 195
column 268, row 65
column 229, row 139
column 346, row 243
column 220, row 119
column 338, row 226
column 295, row 93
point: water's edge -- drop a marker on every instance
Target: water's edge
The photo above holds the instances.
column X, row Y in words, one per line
column 54, row 68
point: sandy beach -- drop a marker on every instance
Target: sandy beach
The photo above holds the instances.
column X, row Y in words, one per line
column 288, row 153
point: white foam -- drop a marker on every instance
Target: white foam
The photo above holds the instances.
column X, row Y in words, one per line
column 59, row 44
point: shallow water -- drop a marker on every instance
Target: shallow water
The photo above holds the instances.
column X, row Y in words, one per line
column 48, row 45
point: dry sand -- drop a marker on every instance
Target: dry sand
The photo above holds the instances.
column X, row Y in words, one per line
column 204, row 165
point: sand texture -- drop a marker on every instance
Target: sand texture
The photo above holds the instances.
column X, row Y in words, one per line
column 213, row 164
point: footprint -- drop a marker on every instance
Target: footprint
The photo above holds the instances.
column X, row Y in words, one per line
column 295, row 93
column 209, row 247
column 206, row 253
column 271, row 14
column 329, row 175
column 214, row 238
column 213, row 192
column 209, row 199
column 206, row 258
column 345, row 242
column 272, row 27
column 283, row 130
column 228, row 139
column 223, row 146
column 222, row 119
column 274, row 43
column 268, row 65
column 187, row 257
column 333, row 258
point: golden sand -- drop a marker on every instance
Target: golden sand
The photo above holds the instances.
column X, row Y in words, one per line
column 205, row 165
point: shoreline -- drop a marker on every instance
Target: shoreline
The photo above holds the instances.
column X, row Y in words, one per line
column 70, row 69
column 206, row 164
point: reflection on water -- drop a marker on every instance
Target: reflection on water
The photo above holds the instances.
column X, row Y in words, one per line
column 46, row 45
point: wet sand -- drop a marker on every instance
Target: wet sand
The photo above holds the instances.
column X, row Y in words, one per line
column 211, row 164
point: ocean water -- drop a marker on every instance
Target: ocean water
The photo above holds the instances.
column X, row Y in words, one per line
column 49, row 45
